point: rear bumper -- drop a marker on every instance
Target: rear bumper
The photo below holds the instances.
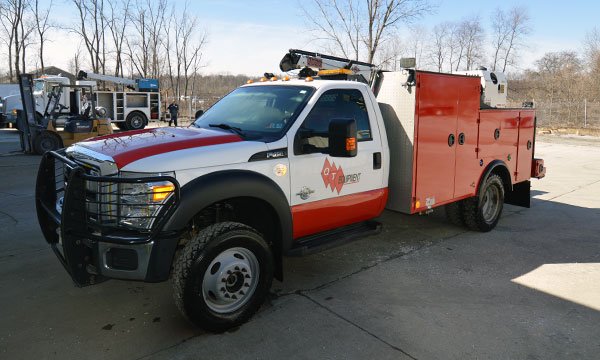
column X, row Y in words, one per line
column 90, row 248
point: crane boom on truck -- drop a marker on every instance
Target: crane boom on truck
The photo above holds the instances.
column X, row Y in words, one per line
column 140, row 84
column 308, row 61
column 117, row 80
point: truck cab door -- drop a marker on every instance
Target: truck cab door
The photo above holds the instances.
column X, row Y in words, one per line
column 329, row 192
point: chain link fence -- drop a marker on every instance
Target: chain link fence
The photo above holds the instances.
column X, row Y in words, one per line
column 580, row 114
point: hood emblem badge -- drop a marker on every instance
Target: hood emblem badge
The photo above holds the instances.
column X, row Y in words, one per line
column 305, row 193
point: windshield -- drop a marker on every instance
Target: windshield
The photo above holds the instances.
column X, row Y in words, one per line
column 259, row 112
column 39, row 86
column 48, row 86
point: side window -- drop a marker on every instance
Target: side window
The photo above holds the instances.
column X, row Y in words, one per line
column 335, row 104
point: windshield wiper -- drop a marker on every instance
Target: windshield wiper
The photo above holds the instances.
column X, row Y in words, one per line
column 237, row 130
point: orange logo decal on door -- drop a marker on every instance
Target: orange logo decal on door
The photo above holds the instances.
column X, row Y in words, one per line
column 334, row 177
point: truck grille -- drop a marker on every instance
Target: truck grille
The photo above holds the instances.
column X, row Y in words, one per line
column 104, row 206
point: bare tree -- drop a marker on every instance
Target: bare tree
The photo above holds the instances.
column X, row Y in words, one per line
column 470, row 37
column 117, row 21
column 591, row 44
column 18, row 30
column 355, row 26
column 156, row 13
column 438, row 49
column 559, row 81
column 43, row 24
column 592, row 59
column 453, row 48
column 75, row 62
column 389, row 57
column 166, row 42
column 417, row 44
column 338, row 23
column 509, row 30
column 91, row 28
column 8, row 34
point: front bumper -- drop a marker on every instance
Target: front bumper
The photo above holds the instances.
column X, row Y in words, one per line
column 70, row 202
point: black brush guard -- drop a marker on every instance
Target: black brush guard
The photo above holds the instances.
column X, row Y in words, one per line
column 83, row 219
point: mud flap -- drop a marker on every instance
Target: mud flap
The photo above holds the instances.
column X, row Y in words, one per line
column 520, row 195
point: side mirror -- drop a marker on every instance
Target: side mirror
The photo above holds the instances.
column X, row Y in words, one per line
column 342, row 138
column 198, row 113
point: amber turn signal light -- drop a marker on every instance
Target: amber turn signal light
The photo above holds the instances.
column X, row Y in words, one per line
column 161, row 192
column 350, row 144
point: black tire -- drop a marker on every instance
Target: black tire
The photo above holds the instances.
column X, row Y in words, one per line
column 223, row 258
column 121, row 125
column 136, row 121
column 482, row 212
column 46, row 142
column 454, row 213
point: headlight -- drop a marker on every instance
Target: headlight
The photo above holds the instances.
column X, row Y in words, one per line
column 132, row 205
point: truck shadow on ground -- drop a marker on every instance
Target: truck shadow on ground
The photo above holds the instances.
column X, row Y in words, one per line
column 435, row 290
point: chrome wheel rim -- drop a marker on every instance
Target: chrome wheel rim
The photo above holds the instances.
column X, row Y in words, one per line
column 136, row 122
column 491, row 204
column 230, row 280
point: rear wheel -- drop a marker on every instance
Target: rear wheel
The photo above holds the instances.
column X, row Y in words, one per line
column 45, row 142
column 135, row 121
column 222, row 276
column 482, row 212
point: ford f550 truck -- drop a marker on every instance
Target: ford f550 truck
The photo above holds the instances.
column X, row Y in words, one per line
column 275, row 168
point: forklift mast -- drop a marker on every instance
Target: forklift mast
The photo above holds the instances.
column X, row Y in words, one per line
column 26, row 118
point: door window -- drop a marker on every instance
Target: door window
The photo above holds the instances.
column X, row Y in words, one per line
column 333, row 104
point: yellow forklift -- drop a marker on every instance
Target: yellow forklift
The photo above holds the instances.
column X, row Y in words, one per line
column 56, row 129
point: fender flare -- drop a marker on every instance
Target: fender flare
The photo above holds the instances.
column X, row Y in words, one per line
column 227, row 184
column 504, row 174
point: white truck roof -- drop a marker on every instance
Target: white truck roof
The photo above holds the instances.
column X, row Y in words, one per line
column 317, row 83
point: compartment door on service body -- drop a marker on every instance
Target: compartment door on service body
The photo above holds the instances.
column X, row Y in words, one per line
column 328, row 192
column 436, row 139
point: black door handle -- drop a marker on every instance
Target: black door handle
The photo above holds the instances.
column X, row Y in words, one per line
column 461, row 138
column 377, row 160
column 451, row 140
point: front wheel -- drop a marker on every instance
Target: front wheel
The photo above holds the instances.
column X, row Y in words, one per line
column 46, row 142
column 482, row 212
column 222, row 276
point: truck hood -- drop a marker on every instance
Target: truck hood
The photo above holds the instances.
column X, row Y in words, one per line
column 129, row 147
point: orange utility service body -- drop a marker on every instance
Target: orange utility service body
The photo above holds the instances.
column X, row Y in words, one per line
column 454, row 141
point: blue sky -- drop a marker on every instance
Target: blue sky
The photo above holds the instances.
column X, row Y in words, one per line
column 250, row 37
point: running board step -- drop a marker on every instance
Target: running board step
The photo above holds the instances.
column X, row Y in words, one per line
column 325, row 240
